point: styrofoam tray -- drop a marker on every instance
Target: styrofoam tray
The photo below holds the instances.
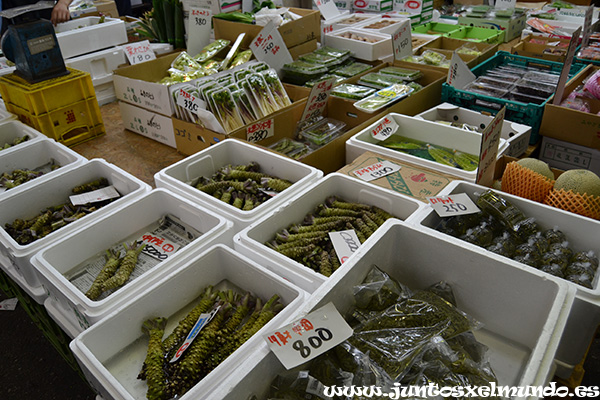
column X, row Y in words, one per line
column 10, row 129
column 85, row 35
column 56, row 190
column 582, row 234
column 112, row 361
column 387, row 30
column 100, row 64
column 177, row 177
column 523, row 314
column 5, row 115
column 35, row 154
column 516, row 135
column 361, row 50
column 426, row 131
column 55, row 263
column 250, row 240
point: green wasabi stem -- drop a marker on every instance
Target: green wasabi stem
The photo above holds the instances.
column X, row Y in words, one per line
column 127, row 266
column 370, row 223
column 285, row 237
column 361, row 237
column 335, row 262
column 276, row 184
column 363, row 227
column 242, row 308
column 295, row 244
column 377, row 218
column 218, row 194
column 238, row 200
column 298, row 252
column 327, row 226
column 41, row 221
column 337, row 212
column 113, row 261
column 90, row 186
column 249, row 203
column 382, row 213
column 155, row 376
column 246, row 186
column 241, row 175
column 333, row 202
column 226, row 196
column 326, row 267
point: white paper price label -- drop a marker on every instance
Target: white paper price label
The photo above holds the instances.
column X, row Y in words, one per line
column 345, row 243
column 587, row 26
column 317, row 100
column 139, row 52
column 198, row 32
column 158, row 247
column 505, row 4
column 309, row 337
column 189, row 102
column 327, row 8
column 377, row 170
column 260, row 130
column 203, row 320
column 8, row 304
column 459, row 74
column 384, row 129
column 402, row 41
column 564, row 73
column 456, row 204
column 95, row 196
column 490, row 139
column 268, row 46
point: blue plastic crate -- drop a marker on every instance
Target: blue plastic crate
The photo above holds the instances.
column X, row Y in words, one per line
column 525, row 113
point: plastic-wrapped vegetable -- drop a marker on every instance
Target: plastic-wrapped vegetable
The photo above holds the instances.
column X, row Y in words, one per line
column 378, row 291
column 324, row 60
column 383, row 98
column 184, row 62
column 261, row 92
column 241, row 58
column 404, row 73
column 352, row 69
column 211, row 50
column 242, row 103
column 277, row 89
column 379, row 80
column 226, row 110
column 322, row 132
column 330, row 51
column 351, row 91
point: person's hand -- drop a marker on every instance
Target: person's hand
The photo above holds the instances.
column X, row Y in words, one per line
column 60, row 12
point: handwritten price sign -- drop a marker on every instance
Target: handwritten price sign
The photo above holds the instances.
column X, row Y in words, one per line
column 490, row 139
column 317, row 100
column 327, row 8
column 198, row 29
column 189, row 101
column 309, row 337
column 139, row 52
column 384, row 129
column 268, row 46
column 402, row 41
column 376, row 171
column 456, row 204
column 260, row 130
column 459, row 74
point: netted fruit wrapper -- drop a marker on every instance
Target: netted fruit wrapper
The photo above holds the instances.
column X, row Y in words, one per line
column 525, row 183
column 582, row 204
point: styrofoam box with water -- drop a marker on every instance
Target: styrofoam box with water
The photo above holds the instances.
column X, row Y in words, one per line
column 60, row 265
column 179, row 176
column 28, row 203
column 112, row 362
column 523, row 314
column 85, row 35
column 582, row 234
column 516, row 135
column 11, row 129
column 250, row 241
column 425, row 131
column 38, row 155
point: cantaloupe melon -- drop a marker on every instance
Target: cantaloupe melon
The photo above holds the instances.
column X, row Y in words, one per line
column 579, row 181
column 537, row 166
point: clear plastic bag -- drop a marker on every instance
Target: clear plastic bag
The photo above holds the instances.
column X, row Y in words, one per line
column 378, row 291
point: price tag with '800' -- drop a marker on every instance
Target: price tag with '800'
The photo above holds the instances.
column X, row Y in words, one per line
column 450, row 206
column 309, row 337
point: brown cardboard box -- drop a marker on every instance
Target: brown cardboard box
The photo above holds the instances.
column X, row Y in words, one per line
column 470, row 60
column 303, row 48
column 571, row 125
column 445, row 43
column 293, row 33
column 536, row 50
column 411, row 180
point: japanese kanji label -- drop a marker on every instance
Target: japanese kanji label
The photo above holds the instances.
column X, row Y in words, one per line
column 139, row 52
column 450, row 206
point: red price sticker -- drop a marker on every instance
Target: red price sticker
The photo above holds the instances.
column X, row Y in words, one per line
column 260, row 130
column 456, row 204
column 309, row 337
column 384, row 128
column 139, row 52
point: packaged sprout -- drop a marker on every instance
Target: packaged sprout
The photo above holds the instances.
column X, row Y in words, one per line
column 225, row 80
column 261, row 92
column 352, row 69
column 241, row 74
column 300, row 72
column 241, row 58
column 184, row 62
column 351, row 91
column 276, row 87
column 226, row 110
column 322, row 132
column 330, row 51
column 211, row 50
column 404, row 73
column 323, row 59
column 383, row 98
column 242, row 103
column 243, row 84
column 378, row 80
column 258, row 67
column 338, row 79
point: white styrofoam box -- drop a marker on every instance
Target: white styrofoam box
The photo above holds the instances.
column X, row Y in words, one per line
column 105, row 93
column 85, row 35
column 11, row 129
column 56, row 263
column 177, row 177
column 111, row 362
column 147, row 123
column 373, row 5
column 516, row 135
column 425, row 131
column 56, row 190
column 387, row 30
column 582, row 234
column 250, row 241
column 37, row 293
column 100, row 64
column 161, row 48
column 523, row 314
column 361, row 50
column 5, row 115
column 425, row 37
column 34, row 155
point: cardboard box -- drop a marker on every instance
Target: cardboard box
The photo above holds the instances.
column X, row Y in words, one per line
column 147, row 123
column 293, row 33
column 539, row 50
column 469, row 59
column 411, row 180
column 565, row 155
column 106, row 8
column 512, row 27
column 446, row 43
column 570, row 125
column 303, row 48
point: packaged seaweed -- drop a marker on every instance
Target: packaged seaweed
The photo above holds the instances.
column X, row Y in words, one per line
column 351, row 91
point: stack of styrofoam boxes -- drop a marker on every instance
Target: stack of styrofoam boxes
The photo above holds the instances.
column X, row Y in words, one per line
column 28, row 202
column 67, row 303
column 420, row 11
column 373, row 6
column 426, row 131
column 523, row 315
column 179, row 177
column 250, row 241
column 516, row 135
column 344, row 20
column 111, row 362
column 12, row 130
column 582, row 235
column 93, row 47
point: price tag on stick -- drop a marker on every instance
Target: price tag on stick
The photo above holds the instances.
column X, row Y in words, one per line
column 309, row 337
column 268, row 46
column 459, row 74
column 327, row 8
column 139, row 52
column 317, row 100
column 450, row 206
column 198, row 32
column 402, row 41
column 564, row 74
column 490, row 139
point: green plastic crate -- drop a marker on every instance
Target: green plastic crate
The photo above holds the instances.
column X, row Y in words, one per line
column 525, row 113
column 438, row 28
column 477, row 34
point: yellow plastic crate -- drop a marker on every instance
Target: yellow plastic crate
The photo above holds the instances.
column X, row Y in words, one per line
column 40, row 98
column 68, row 125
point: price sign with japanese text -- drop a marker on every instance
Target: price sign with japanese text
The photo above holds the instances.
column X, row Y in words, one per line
column 490, row 139
column 327, row 8
column 198, row 32
column 456, row 204
column 260, row 130
column 377, row 170
column 95, row 196
column 459, row 74
column 384, row 129
column 587, row 26
column 139, row 52
column 190, row 102
column 345, row 243
column 158, row 247
column 202, row 321
column 564, row 73
column 402, row 41
column 505, row 4
column 317, row 100
column 309, row 337
column 268, row 46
